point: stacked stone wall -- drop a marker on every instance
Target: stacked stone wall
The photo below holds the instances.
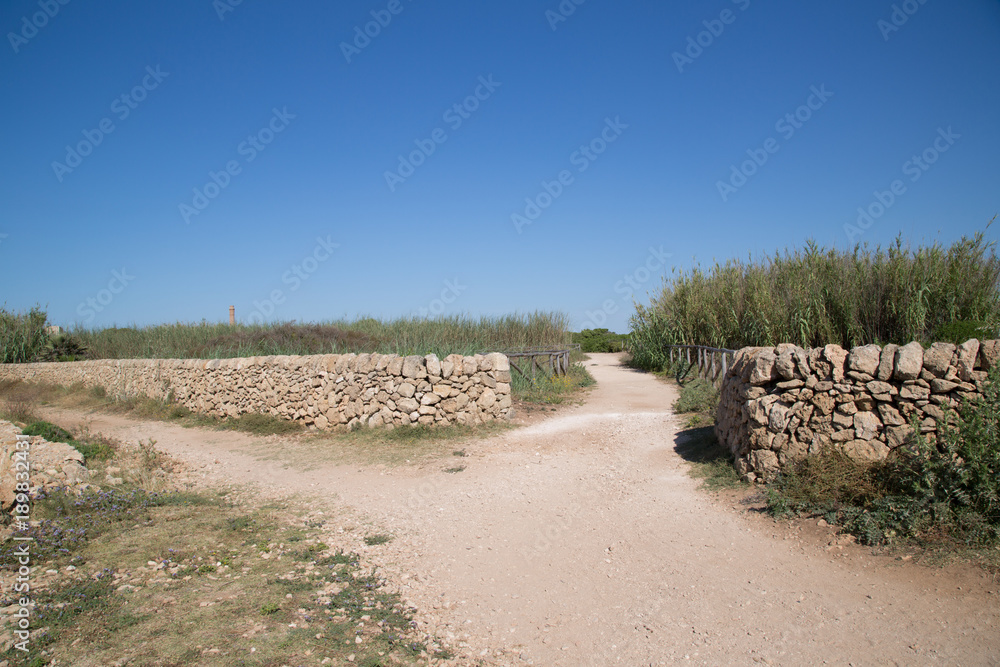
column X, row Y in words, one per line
column 780, row 404
column 322, row 391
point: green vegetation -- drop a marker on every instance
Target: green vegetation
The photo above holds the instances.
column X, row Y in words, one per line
column 22, row 335
column 697, row 444
column 816, row 296
column 63, row 347
column 959, row 331
column 942, row 489
column 551, row 389
column 697, row 395
column 24, row 338
column 443, row 336
column 93, row 448
column 600, row 340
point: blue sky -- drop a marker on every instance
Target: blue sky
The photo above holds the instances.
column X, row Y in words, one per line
column 162, row 161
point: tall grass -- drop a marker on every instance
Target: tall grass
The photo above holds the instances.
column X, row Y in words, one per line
column 443, row 336
column 22, row 335
column 815, row 296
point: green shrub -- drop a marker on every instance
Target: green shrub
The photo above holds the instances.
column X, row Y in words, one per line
column 22, row 335
column 698, row 395
column 600, row 340
column 49, row 431
column 63, row 347
column 959, row 331
column 97, row 450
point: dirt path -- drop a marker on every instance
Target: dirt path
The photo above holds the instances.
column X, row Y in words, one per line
column 581, row 540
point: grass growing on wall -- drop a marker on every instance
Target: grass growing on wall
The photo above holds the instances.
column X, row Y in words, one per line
column 815, row 296
column 443, row 336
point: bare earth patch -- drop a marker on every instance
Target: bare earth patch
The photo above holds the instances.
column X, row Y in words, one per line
column 580, row 539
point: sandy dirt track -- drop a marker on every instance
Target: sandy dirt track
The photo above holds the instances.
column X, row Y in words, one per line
column 581, row 540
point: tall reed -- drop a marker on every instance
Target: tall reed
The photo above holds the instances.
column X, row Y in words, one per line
column 815, row 296
column 442, row 336
column 22, row 335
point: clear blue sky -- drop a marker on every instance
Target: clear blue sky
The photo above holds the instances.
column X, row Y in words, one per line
column 309, row 128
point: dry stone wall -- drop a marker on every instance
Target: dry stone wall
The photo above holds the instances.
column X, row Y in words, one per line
column 322, row 391
column 780, row 404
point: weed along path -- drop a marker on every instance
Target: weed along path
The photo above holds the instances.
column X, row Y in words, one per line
column 581, row 540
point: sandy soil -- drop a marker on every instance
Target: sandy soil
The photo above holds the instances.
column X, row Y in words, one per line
column 581, row 540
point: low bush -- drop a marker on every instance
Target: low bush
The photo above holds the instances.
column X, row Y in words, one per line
column 63, row 347
column 600, row 340
column 93, row 449
column 551, row 389
column 959, row 331
column 697, row 395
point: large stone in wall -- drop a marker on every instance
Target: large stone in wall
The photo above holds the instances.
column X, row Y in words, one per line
column 866, row 425
column 866, row 450
column 433, row 365
column 785, row 364
column 765, row 464
column 413, row 367
column 887, row 362
column 989, row 354
column 938, row 357
column 499, row 362
column 762, row 368
column 968, row 354
column 837, row 357
column 909, row 362
column 865, row 359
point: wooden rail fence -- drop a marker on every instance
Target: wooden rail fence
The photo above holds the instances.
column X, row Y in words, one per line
column 711, row 363
column 529, row 361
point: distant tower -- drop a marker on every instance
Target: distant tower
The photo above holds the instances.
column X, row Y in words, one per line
column 232, row 315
